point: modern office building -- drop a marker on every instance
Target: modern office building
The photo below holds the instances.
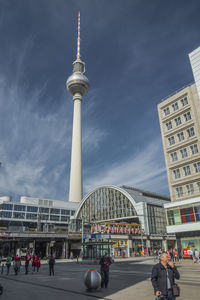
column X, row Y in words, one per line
column 35, row 223
column 179, row 116
column 129, row 218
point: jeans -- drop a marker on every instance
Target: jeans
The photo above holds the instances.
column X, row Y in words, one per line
column 51, row 270
column 169, row 296
column 26, row 267
column 8, row 268
column 104, row 278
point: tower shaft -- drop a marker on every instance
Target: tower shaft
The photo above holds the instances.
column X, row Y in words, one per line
column 76, row 184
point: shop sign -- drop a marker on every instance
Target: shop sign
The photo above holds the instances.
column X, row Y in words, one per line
column 117, row 228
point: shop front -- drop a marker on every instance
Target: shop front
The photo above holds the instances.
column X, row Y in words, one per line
column 189, row 245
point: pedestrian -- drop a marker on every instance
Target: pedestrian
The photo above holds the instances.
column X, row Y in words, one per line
column 8, row 263
column 163, row 276
column 27, row 261
column 38, row 264
column 105, row 263
column 34, row 262
column 196, row 255
column 17, row 264
column 51, row 264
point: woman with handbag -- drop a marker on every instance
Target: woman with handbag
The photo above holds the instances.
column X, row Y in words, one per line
column 163, row 278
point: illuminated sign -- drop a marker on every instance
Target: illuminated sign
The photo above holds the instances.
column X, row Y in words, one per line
column 117, row 228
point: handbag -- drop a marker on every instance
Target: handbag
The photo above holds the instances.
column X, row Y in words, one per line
column 176, row 290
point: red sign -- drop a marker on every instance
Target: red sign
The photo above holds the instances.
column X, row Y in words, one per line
column 187, row 252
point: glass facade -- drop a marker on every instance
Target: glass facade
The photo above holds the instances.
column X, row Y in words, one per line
column 106, row 204
column 156, row 219
column 184, row 214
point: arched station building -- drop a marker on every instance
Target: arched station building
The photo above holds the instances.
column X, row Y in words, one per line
column 122, row 220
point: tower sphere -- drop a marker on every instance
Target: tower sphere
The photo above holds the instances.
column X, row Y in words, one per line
column 77, row 83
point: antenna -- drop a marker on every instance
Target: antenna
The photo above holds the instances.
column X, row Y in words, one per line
column 78, row 56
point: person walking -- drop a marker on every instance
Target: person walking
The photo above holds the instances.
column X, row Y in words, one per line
column 196, row 255
column 17, row 264
column 38, row 264
column 163, row 276
column 105, row 263
column 51, row 264
column 8, row 263
column 27, row 261
column 34, row 262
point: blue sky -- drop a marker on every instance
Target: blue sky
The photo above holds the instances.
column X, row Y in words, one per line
column 136, row 54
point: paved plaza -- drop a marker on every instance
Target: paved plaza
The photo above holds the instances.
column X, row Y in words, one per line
column 129, row 279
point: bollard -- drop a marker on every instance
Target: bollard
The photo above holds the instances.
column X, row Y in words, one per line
column 92, row 279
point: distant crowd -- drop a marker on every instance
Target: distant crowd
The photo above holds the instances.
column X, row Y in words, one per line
column 32, row 264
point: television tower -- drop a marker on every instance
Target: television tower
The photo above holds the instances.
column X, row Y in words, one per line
column 78, row 85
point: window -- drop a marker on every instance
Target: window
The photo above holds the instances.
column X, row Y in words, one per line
column 18, row 215
column 44, row 210
column 197, row 167
column 194, row 149
column 54, row 218
column 197, row 212
column 166, row 111
column 174, row 217
column 186, row 170
column 7, row 206
column 176, row 174
column 168, row 125
column 179, row 191
column 198, row 186
column 190, row 132
column 65, row 212
column 175, row 106
column 32, row 208
column 65, row 218
column 183, row 153
column 187, row 116
column 190, row 189
column 173, row 156
column 31, row 216
column 171, row 140
column 5, row 214
column 72, row 212
column 187, row 215
column 184, row 101
column 55, row 211
column 180, row 136
column 19, row 207
column 177, row 121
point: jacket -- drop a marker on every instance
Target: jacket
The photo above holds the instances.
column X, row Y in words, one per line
column 105, row 263
column 159, row 277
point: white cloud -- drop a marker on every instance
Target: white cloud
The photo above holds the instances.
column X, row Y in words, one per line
column 144, row 169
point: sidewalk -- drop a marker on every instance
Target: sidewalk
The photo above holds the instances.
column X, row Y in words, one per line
column 189, row 284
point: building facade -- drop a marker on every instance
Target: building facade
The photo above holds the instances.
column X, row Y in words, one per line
column 131, row 219
column 36, row 224
column 179, row 116
column 195, row 64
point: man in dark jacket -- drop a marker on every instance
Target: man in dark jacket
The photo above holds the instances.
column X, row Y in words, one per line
column 105, row 265
column 162, row 277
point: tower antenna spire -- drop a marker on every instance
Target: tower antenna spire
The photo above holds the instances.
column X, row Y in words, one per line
column 78, row 56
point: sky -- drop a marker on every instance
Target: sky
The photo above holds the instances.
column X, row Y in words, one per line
column 136, row 54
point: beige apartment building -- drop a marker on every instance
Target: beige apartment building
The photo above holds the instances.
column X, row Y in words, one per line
column 179, row 116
